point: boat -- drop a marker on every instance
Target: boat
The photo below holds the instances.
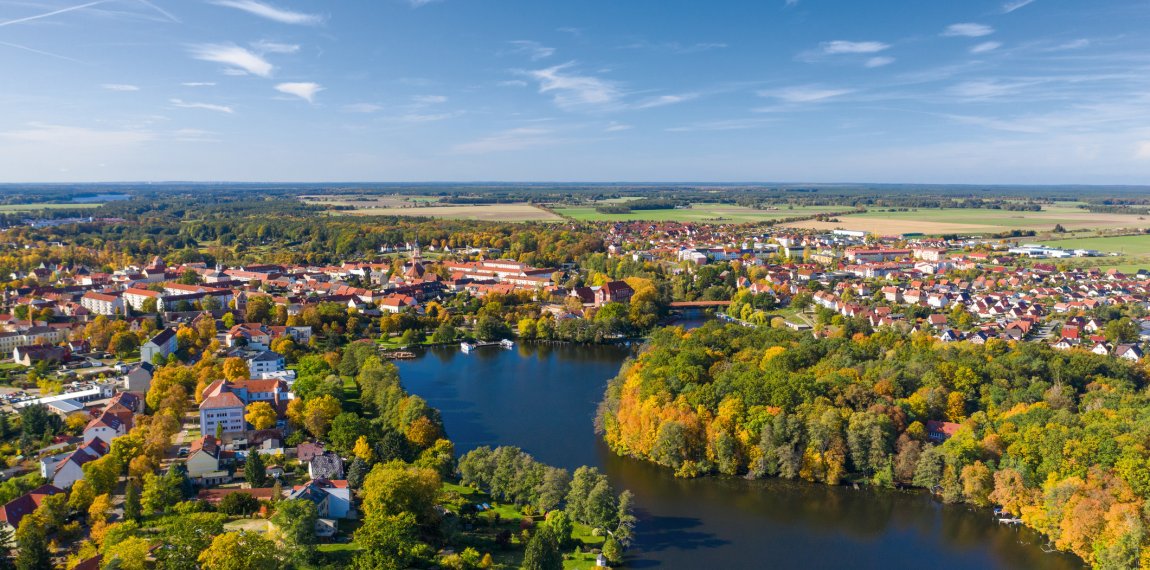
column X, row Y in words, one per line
column 466, row 347
column 505, row 343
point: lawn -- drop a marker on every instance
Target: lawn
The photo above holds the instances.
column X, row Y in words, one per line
column 430, row 208
column 715, row 213
column 933, row 221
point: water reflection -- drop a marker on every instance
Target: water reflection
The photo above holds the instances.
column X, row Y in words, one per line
column 543, row 398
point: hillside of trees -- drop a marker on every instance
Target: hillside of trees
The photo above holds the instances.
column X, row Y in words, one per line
column 1058, row 439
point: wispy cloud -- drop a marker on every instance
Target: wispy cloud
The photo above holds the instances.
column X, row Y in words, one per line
column 967, row 30
column 804, row 94
column 1075, row 44
column 362, row 108
column 573, row 91
column 841, row 46
column 429, row 99
column 1142, row 152
column 508, row 140
column 265, row 46
column 535, row 50
column 676, row 47
column 65, row 136
column 1014, row 5
column 237, row 58
column 119, row 87
column 985, row 47
column 40, row 52
column 722, row 125
column 664, row 100
column 879, row 61
column 420, row 3
column 305, row 90
column 270, row 12
column 52, row 13
column 165, row 13
column 206, row 106
column 199, row 84
column 617, row 127
column 985, row 89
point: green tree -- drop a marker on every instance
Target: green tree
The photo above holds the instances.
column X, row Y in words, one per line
column 241, row 550
column 255, row 470
column 542, row 552
column 185, row 537
column 132, row 506
column 161, row 492
column 295, row 525
column 32, row 545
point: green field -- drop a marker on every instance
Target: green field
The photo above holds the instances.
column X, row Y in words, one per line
column 934, row 221
column 15, row 208
column 1135, row 251
column 720, row 213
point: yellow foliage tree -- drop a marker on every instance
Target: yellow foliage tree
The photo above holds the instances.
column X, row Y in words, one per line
column 261, row 415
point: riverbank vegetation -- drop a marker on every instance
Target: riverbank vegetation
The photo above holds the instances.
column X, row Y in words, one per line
column 1056, row 439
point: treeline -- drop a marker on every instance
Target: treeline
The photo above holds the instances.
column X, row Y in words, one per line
column 1055, row 438
column 641, row 204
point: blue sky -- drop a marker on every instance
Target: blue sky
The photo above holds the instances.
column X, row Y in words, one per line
column 971, row 91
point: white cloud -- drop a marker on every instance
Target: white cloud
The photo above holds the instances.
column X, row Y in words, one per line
column 429, row 99
column 420, row 3
column 199, row 84
column 984, row 89
column 425, row 117
column 967, row 30
column 120, row 87
column 1143, row 152
column 1076, row 44
column 52, row 13
column 617, row 127
column 206, row 106
column 804, row 94
column 841, row 46
column 574, row 91
column 362, row 108
column 270, row 12
column 304, row 90
column 1014, row 5
column 63, row 136
column 664, row 100
column 535, row 50
column 879, row 61
column 239, row 60
column 792, row 3
column 512, row 139
column 265, row 46
column 725, row 125
column 985, row 47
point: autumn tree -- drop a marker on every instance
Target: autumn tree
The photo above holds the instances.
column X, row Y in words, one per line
column 261, row 415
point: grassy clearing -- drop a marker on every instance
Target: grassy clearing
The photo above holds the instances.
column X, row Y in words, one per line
column 421, row 206
column 933, row 221
column 1127, row 245
column 15, row 208
column 713, row 213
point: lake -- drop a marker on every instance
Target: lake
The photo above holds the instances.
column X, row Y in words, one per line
column 543, row 399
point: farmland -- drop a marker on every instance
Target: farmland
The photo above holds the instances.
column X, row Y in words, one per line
column 977, row 221
column 430, row 208
column 703, row 212
column 1134, row 250
column 18, row 208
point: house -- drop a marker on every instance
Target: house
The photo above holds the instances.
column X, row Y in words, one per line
column 102, row 303
column 71, row 470
column 205, row 460
column 224, row 402
column 106, row 428
column 160, row 345
column 225, row 410
column 139, row 378
column 332, row 498
column 15, row 510
column 1131, row 352
column 307, row 450
column 613, row 292
column 29, row 355
column 325, row 466
column 941, row 431
column 266, row 362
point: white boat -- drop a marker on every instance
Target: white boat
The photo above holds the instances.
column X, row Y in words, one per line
column 505, row 343
column 466, row 347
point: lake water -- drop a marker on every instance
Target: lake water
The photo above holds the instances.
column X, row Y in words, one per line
column 543, row 399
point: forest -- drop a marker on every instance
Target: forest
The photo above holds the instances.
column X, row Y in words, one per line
column 1057, row 439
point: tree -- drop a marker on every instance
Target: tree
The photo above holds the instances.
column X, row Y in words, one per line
column 396, row 488
column 259, row 309
column 129, row 554
column 6, row 540
column 319, row 413
column 261, row 415
column 241, row 550
column 160, row 492
column 255, row 471
column 236, row 368
column 150, row 305
column 81, row 496
column 542, row 552
column 295, row 525
column 356, row 473
column 132, row 506
column 612, row 551
column 238, row 504
column 387, row 541
column 560, row 526
column 346, row 429
column 32, row 545
column 444, row 334
column 362, row 450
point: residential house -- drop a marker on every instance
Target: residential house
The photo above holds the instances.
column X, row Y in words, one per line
column 139, row 377
column 160, row 345
column 206, row 461
column 70, row 470
column 106, row 427
column 29, row 355
column 332, row 498
column 266, row 362
column 613, row 292
column 15, row 510
column 328, row 465
column 939, row 432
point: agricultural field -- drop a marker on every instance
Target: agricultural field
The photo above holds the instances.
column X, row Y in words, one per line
column 711, row 213
column 17, row 208
column 1134, row 250
column 417, row 206
column 978, row 221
